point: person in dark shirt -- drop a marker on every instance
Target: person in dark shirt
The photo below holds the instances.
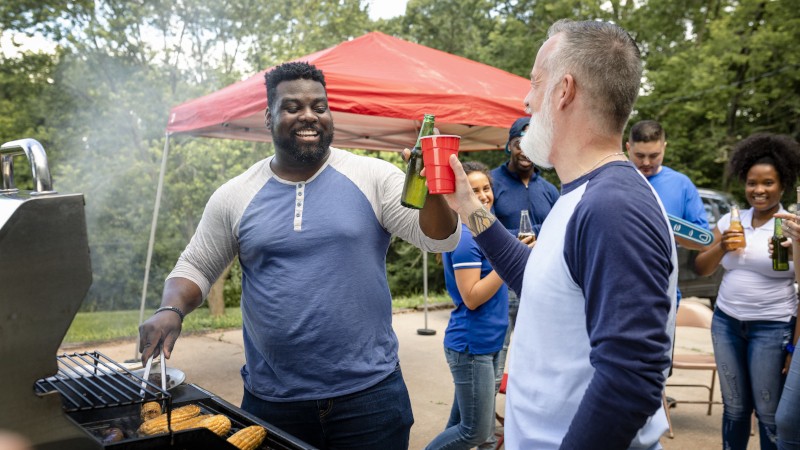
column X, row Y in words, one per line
column 519, row 186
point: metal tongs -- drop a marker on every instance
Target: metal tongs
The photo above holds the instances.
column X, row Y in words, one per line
column 147, row 372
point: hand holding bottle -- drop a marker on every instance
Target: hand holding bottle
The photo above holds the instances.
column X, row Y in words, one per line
column 790, row 227
column 731, row 240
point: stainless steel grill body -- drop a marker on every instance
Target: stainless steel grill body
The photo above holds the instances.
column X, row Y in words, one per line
column 45, row 273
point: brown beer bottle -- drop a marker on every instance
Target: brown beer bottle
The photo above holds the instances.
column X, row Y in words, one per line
column 736, row 225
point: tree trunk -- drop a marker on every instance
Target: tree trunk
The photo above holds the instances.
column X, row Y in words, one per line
column 216, row 299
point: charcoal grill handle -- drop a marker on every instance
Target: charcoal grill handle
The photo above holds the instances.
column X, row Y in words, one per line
column 36, row 157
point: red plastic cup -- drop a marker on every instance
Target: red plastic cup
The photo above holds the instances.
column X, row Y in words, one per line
column 436, row 151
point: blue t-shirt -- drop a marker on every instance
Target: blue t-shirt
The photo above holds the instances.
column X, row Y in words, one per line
column 316, row 307
column 483, row 329
column 680, row 198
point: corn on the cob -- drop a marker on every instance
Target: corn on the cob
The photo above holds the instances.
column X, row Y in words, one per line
column 191, row 423
column 248, row 438
column 219, row 424
column 150, row 410
column 159, row 424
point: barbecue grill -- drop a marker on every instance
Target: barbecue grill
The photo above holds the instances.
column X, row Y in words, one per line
column 67, row 402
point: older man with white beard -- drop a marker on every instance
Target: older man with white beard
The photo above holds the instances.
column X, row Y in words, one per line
column 593, row 343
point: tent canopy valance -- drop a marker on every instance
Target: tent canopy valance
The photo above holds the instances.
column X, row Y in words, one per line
column 379, row 87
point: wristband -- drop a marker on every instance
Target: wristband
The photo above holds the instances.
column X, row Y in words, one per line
column 170, row 308
column 790, row 348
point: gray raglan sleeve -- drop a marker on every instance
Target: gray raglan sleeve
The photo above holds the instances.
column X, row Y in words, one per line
column 404, row 222
column 214, row 244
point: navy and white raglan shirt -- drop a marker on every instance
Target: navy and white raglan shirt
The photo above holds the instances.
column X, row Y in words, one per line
column 591, row 349
column 316, row 306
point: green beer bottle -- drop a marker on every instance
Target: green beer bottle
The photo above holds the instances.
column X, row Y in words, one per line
column 780, row 254
column 414, row 190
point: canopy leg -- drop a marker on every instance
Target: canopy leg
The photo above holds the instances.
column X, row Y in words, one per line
column 150, row 244
column 425, row 331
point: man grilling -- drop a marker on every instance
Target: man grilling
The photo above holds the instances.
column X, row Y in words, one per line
column 311, row 227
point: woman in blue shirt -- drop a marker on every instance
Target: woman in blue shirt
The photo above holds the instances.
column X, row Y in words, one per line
column 475, row 333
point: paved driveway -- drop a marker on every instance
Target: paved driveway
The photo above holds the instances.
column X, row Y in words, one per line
column 213, row 362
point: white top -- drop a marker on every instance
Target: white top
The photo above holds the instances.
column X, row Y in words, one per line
column 750, row 289
column 562, row 348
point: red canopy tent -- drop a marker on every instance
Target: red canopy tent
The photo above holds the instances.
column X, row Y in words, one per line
column 379, row 87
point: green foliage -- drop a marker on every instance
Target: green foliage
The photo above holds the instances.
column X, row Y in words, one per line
column 100, row 103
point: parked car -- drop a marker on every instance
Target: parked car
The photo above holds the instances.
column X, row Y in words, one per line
column 717, row 204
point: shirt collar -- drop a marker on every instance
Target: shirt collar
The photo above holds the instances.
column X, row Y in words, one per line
column 747, row 217
column 515, row 176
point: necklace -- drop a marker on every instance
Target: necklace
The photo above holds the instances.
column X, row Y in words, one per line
column 601, row 160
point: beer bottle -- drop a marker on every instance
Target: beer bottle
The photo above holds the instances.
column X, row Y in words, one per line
column 414, row 189
column 736, row 225
column 525, row 227
column 780, row 254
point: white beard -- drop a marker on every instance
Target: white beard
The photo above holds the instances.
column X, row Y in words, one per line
column 537, row 143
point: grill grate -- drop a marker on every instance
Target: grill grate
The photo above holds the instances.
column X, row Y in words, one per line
column 92, row 380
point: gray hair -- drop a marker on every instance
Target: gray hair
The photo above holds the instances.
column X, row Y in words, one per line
column 605, row 63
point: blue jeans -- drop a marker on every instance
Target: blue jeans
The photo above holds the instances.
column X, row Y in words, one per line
column 750, row 357
column 788, row 415
column 513, row 308
column 378, row 417
column 472, row 415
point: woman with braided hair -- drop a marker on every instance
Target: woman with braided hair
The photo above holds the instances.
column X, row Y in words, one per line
column 756, row 307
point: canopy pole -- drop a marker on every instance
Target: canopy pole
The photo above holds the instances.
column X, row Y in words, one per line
column 425, row 331
column 152, row 241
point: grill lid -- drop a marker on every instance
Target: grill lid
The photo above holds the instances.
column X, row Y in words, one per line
column 45, row 272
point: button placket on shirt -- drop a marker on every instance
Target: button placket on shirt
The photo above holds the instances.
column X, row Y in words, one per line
column 298, row 206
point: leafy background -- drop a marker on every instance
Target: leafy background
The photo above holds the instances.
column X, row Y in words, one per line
column 99, row 102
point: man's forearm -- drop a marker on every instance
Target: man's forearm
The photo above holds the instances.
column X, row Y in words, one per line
column 507, row 255
column 690, row 244
column 436, row 219
column 183, row 294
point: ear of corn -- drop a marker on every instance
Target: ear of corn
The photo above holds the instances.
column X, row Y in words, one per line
column 219, row 424
column 248, row 438
column 150, row 410
column 159, row 424
column 190, row 423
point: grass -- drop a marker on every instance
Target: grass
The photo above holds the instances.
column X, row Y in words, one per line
column 417, row 300
column 116, row 324
column 119, row 324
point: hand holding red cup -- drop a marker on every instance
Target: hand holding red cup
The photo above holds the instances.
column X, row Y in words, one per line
column 436, row 152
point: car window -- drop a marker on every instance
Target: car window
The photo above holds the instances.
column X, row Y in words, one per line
column 723, row 207
column 712, row 220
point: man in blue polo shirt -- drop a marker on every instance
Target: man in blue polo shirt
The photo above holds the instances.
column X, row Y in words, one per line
column 646, row 145
column 519, row 186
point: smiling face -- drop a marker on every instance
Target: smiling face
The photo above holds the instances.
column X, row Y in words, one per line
column 300, row 121
column 482, row 188
column 647, row 156
column 763, row 187
column 519, row 162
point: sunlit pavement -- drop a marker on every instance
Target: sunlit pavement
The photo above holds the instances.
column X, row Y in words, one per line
column 213, row 361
